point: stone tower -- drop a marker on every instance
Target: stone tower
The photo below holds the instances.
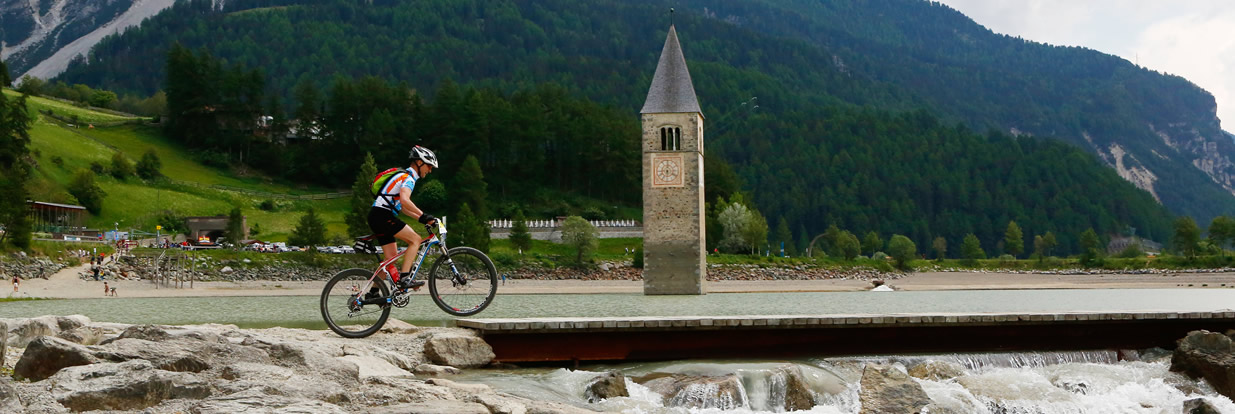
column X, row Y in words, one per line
column 674, row 256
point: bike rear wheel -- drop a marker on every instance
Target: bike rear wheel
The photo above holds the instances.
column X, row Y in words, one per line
column 463, row 281
column 343, row 314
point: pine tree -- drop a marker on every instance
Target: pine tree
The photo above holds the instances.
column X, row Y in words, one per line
column 519, row 236
column 235, row 227
column 309, row 232
column 362, row 199
column 471, row 188
column 783, row 236
column 1089, row 247
column 15, row 169
column 148, row 167
column 1013, row 239
column 472, row 231
column 971, row 248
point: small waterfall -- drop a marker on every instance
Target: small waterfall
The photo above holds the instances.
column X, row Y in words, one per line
column 998, row 383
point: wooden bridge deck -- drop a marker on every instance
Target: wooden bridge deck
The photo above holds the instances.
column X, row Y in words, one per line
column 765, row 336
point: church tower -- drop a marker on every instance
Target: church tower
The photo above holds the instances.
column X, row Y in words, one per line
column 674, row 256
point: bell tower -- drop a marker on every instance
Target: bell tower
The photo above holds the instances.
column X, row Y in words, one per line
column 674, row 256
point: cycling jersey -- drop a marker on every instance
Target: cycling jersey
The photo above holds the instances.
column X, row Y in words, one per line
column 390, row 192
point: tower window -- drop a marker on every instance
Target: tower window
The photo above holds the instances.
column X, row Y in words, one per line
column 670, row 139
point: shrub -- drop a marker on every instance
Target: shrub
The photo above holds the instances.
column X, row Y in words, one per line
column 97, row 167
column 637, row 262
column 267, row 205
column 59, row 162
column 87, row 192
column 902, row 249
column 121, row 167
column 148, row 167
column 581, row 235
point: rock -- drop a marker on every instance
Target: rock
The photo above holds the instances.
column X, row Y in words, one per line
column 724, row 392
column 370, row 366
column 254, row 400
column 458, row 386
column 605, row 267
column 936, row 370
column 1208, row 355
column 797, row 395
column 456, row 350
column 147, row 332
column 22, row 331
column 335, row 369
column 436, row 370
column 9, row 401
column 1199, row 406
column 885, row 389
column 247, row 261
column 433, row 407
column 608, row 385
column 47, row 355
column 397, row 326
column 225, row 269
column 131, row 385
column 177, row 356
column 85, row 335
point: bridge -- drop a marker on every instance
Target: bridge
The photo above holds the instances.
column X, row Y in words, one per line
column 556, row 340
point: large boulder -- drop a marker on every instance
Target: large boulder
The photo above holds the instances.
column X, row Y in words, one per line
column 457, row 350
column 885, row 389
column 131, row 385
column 297, row 355
column 608, row 385
column 690, row 391
column 47, row 355
column 1208, row 355
column 179, row 356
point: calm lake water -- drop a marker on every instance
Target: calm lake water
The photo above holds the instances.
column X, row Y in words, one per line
column 302, row 311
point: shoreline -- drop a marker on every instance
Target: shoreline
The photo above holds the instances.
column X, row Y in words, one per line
column 67, row 285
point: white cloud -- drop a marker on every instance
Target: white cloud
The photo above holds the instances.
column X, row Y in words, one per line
column 1193, row 39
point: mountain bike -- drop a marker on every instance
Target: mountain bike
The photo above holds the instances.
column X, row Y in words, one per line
column 462, row 281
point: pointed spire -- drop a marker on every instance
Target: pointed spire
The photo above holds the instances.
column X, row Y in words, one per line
column 671, row 89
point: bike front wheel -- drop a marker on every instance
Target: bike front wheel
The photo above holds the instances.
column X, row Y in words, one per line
column 463, row 281
column 343, row 308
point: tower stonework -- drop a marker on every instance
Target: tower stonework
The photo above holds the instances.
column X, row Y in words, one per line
column 674, row 255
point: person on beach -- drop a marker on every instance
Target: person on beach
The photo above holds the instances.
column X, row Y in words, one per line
column 105, row 289
column 394, row 198
column 16, row 283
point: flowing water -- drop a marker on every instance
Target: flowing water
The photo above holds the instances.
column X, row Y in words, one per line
column 993, row 383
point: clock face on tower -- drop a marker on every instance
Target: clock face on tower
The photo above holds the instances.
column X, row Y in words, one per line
column 667, row 170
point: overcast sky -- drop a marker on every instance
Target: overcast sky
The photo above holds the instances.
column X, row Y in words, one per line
column 1194, row 39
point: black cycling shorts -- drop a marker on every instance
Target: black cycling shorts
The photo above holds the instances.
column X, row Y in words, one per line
column 385, row 225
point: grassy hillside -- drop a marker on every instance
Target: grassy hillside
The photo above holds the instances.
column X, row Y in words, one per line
column 137, row 204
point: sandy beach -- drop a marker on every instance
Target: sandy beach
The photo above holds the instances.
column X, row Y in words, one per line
column 67, row 284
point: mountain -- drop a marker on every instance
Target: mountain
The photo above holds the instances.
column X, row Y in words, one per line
column 1158, row 131
column 41, row 37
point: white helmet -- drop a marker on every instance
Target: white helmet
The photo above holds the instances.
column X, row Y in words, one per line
column 423, row 154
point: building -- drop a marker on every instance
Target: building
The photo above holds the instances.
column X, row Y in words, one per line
column 208, row 229
column 674, row 255
column 57, row 218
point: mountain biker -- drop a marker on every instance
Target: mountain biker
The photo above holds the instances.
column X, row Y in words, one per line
column 395, row 198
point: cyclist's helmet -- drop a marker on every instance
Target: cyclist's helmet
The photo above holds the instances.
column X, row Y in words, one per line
column 423, row 154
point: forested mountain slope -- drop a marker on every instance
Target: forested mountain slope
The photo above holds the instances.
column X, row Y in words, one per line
column 1159, row 131
column 798, row 58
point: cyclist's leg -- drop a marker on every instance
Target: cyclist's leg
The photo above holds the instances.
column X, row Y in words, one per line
column 413, row 246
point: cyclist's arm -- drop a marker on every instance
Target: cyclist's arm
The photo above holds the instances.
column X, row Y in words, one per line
column 406, row 205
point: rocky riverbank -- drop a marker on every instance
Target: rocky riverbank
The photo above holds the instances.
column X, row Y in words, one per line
column 24, row 266
column 70, row 364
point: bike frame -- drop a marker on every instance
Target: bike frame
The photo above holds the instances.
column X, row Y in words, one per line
column 425, row 245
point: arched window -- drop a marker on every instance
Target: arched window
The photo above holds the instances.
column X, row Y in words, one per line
column 664, row 139
column 670, row 139
column 677, row 139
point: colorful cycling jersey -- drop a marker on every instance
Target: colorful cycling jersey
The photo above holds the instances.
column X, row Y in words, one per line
column 388, row 199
